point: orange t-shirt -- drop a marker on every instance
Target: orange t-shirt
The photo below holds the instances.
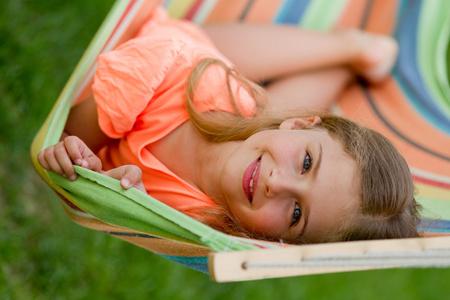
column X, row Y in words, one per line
column 140, row 92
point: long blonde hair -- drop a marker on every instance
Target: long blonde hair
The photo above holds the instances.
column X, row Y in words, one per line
column 388, row 208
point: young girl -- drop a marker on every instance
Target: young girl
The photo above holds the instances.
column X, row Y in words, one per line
column 171, row 116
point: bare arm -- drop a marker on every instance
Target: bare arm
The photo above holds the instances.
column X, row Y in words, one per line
column 296, row 64
column 80, row 141
column 83, row 123
column 266, row 52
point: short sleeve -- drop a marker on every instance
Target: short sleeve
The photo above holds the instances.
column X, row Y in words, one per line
column 126, row 80
column 212, row 93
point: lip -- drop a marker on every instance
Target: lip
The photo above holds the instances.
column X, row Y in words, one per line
column 248, row 174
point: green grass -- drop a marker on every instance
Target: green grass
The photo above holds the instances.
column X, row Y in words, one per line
column 43, row 255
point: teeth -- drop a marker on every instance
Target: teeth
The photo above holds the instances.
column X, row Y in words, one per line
column 253, row 175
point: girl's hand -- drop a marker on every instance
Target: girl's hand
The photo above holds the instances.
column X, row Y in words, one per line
column 61, row 157
column 129, row 176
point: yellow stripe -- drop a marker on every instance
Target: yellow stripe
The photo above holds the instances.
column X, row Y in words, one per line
column 428, row 191
column 178, row 9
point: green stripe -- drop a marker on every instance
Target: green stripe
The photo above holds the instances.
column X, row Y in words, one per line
column 61, row 109
column 322, row 14
column 433, row 17
column 448, row 62
column 434, row 208
column 442, row 62
column 104, row 198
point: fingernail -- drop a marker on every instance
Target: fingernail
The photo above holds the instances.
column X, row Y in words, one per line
column 78, row 162
column 73, row 177
column 85, row 164
column 125, row 183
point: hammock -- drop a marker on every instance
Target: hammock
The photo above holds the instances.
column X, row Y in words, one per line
column 412, row 109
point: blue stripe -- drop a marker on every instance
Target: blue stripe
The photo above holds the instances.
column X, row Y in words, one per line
column 291, row 11
column 394, row 130
column 407, row 71
column 132, row 234
column 439, row 226
column 403, row 6
column 196, row 263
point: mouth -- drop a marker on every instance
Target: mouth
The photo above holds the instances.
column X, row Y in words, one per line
column 250, row 179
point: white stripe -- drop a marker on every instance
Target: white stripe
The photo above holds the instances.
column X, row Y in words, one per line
column 204, row 11
column 431, row 176
column 124, row 25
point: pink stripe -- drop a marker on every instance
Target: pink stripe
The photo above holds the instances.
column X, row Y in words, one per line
column 432, row 182
column 194, row 8
column 127, row 10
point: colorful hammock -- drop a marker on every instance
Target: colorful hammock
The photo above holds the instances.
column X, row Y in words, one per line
column 412, row 109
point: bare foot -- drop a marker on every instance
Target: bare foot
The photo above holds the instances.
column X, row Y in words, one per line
column 377, row 58
column 377, row 55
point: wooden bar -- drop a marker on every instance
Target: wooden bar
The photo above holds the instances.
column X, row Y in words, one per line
column 285, row 262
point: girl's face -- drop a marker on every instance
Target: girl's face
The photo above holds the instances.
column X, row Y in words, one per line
column 284, row 184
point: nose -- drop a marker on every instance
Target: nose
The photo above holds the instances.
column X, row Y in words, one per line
column 281, row 185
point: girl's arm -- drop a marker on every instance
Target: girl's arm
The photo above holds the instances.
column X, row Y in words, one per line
column 266, row 52
column 81, row 139
column 83, row 123
column 297, row 64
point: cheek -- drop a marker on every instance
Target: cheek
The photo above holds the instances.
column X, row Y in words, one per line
column 269, row 222
column 231, row 183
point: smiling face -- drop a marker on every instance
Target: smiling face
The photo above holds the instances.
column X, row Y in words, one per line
column 284, row 184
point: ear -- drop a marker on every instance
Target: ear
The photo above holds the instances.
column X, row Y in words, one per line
column 300, row 123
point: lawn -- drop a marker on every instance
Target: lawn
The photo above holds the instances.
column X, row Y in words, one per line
column 44, row 255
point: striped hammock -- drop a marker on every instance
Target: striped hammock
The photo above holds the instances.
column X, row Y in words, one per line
column 412, row 109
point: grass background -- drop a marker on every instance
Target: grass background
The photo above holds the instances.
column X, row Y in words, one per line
column 43, row 255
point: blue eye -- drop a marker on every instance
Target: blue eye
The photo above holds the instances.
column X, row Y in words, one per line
column 307, row 163
column 297, row 213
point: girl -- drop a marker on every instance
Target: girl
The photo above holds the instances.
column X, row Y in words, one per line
column 171, row 116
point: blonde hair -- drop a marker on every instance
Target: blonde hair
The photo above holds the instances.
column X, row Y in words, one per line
column 387, row 209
